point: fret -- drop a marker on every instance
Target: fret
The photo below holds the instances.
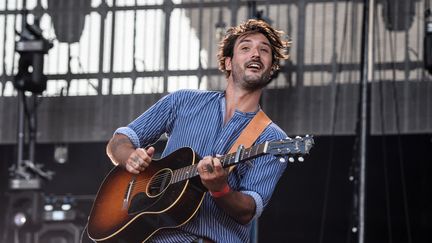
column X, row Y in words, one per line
column 222, row 160
column 194, row 171
column 226, row 161
column 182, row 173
column 179, row 175
column 245, row 154
column 174, row 176
column 190, row 171
column 260, row 149
column 256, row 149
column 250, row 152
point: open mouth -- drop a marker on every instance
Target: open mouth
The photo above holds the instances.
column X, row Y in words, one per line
column 254, row 66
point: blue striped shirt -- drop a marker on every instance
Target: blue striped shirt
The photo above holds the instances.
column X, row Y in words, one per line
column 195, row 119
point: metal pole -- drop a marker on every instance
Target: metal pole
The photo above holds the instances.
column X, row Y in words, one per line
column 21, row 100
column 366, row 75
column 21, row 97
column 32, row 127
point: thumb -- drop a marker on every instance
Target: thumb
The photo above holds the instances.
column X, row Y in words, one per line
column 150, row 151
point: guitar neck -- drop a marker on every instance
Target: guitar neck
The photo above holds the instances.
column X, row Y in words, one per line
column 226, row 160
column 243, row 155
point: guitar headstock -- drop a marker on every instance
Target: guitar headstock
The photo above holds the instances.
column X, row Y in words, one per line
column 297, row 146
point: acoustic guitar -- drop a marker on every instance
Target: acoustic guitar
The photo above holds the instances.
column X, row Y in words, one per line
column 131, row 208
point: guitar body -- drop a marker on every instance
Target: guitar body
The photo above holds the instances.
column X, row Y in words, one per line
column 131, row 208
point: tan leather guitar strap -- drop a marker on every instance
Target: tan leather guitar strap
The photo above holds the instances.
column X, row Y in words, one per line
column 251, row 132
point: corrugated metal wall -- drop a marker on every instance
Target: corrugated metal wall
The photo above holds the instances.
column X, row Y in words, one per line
column 113, row 58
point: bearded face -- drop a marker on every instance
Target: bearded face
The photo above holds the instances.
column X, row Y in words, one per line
column 251, row 63
column 251, row 75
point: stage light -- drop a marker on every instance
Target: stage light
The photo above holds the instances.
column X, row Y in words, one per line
column 68, row 18
column 48, row 207
column 19, row 219
column 220, row 27
column 61, row 154
column 66, row 207
column 32, row 47
column 398, row 14
column 59, row 208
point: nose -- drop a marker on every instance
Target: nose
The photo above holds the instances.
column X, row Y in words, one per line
column 255, row 53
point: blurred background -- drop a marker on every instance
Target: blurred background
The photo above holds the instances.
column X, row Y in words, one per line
column 358, row 79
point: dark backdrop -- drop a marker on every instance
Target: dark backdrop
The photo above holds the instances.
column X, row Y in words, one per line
column 313, row 200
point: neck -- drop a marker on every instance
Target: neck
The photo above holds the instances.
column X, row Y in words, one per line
column 240, row 99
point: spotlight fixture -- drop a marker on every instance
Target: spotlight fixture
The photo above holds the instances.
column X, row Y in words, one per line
column 398, row 14
column 61, row 154
column 220, row 26
column 32, row 47
column 19, row 219
column 68, row 18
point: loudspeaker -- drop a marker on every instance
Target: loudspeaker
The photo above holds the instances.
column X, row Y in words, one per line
column 27, row 203
column 59, row 232
column 23, row 216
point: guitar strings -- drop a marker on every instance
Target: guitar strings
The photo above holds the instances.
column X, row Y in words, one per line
column 140, row 184
column 143, row 183
column 156, row 179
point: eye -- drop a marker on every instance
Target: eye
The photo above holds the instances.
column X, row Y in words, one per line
column 266, row 50
column 244, row 48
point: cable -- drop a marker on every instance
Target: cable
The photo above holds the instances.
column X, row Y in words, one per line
column 6, row 220
column 383, row 141
column 333, row 122
column 398, row 133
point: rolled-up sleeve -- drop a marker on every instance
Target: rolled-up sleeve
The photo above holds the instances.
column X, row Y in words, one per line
column 260, row 179
column 259, row 206
column 151, row 124
column 131, row 134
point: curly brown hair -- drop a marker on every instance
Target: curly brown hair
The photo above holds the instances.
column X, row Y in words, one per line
column 279, row 46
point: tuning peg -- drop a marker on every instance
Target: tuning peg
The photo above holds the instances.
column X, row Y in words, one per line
column 298, row 137
column 300, row 159
column 291, row 159
column 282, row 160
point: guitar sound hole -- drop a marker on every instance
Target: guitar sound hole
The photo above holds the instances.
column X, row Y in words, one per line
column 159, row 182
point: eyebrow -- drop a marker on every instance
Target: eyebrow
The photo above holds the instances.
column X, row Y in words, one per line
column 247, row 40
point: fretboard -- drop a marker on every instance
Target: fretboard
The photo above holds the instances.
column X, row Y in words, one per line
column 226, row 161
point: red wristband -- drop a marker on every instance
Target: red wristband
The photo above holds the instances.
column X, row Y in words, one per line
column 223, row 192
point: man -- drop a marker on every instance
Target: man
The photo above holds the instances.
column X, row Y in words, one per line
column 209, row 123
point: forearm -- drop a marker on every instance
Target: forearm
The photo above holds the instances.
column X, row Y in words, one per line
column 119, row 148
column 238, row 205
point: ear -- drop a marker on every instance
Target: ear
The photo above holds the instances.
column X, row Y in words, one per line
column 228, row 65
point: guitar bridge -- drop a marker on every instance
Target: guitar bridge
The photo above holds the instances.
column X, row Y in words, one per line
column 128, row 194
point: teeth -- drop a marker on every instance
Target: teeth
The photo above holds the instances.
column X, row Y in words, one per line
column 253, row 65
